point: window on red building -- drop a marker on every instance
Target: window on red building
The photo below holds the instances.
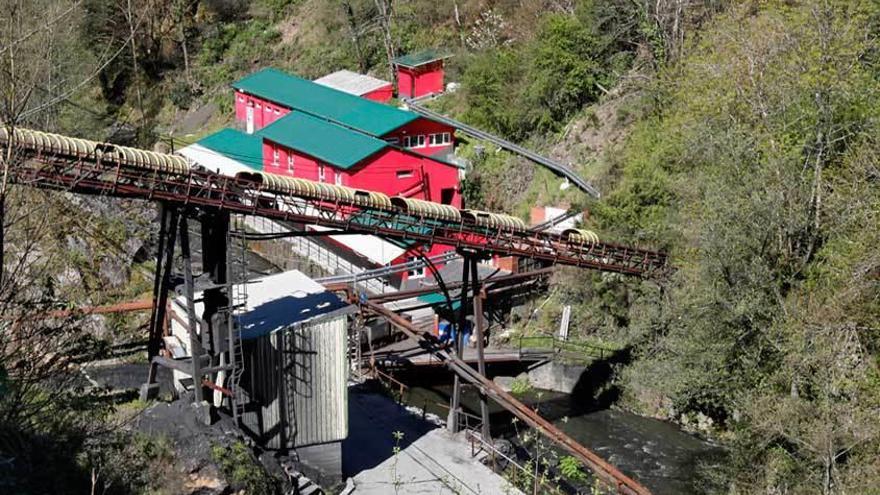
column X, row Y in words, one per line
column 404, row 174
column 447, row 194
column 416, row 272
column 440, row 139
column 338, row 179
column 290, row 162
column 321, row 175
column 276, row 156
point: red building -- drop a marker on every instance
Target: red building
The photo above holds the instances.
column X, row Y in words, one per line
column 420, row 74
column 267, row 95
column 300, row 145
column 361, row 85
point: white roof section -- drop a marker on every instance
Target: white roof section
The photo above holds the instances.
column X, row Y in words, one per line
column 551, row 212
column 352, row 82
column 273, row 287
column 212, row 160
column 370, row 247
column 274, row 302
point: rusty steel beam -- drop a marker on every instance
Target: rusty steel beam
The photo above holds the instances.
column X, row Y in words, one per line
column 601, row 468
column 212, row 191
column 123, row 307
column 406, row 294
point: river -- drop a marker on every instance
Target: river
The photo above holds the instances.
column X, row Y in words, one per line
column 658, row 454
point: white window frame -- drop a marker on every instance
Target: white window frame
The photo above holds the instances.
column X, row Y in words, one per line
column 415, row 272
column 447, row 138
column 276, row 156
column 404, row 174
column 338, row 179
column 434, row 140
column 240, row 99
column 407, row 141
column 420, row 141
column 322, row 175
column 290, row 162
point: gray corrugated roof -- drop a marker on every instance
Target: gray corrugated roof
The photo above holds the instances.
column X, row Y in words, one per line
column 352, row 82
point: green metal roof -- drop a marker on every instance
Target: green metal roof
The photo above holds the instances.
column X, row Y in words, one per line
column 306, row 96
column 437, row 298
column 420, row 58
column 246, row 149
column 334, row 144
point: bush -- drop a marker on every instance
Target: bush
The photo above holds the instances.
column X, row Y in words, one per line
column 521, row 90
column 242, row 469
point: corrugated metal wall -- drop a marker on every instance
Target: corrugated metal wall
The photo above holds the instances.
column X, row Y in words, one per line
column 297, row 379
column 316, row 393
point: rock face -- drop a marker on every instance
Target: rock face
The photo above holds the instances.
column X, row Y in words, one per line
column 196, row 446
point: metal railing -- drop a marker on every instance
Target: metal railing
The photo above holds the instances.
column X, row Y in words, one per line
column 563, row 348
column 609, row 474
column 558, row 168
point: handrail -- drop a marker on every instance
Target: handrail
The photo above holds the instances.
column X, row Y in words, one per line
column 558, row 346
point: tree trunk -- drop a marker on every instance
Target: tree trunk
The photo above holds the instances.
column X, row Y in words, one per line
column 385, row 12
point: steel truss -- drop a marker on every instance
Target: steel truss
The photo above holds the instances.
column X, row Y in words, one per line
column 232, row 195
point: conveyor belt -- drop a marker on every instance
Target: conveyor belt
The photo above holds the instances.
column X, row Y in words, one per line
column 50, row 166
column 558, row 168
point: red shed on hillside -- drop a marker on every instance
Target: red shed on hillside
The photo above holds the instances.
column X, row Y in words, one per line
column 265, row 96
column 420, row 74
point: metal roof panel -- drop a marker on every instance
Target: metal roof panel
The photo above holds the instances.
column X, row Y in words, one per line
column 352, row 82
column 423, row 57
column 321, row 139
column 307, row 96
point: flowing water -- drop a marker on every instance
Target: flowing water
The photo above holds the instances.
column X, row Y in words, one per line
column 656, row 453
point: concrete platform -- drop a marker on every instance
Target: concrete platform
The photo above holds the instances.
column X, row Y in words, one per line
column 430, row 460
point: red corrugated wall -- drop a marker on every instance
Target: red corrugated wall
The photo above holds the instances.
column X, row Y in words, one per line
column 382, row 95
column 265, row 112
column 420, row 81
column 422, row 126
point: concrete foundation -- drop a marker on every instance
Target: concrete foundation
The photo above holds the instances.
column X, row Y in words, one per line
column 557, row 377
column 324, row 462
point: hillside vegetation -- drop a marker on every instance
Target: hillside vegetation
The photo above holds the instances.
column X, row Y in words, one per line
column 745, row 144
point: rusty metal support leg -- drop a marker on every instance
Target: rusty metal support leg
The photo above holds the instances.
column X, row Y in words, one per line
column 452, row 421
column 162, row 278
column 189, row 294
column 481, row 358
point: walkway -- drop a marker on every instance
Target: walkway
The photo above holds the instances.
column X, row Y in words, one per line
column 407, row 352
column 430, row 461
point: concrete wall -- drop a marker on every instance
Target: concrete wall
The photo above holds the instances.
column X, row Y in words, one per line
column 555, row 376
